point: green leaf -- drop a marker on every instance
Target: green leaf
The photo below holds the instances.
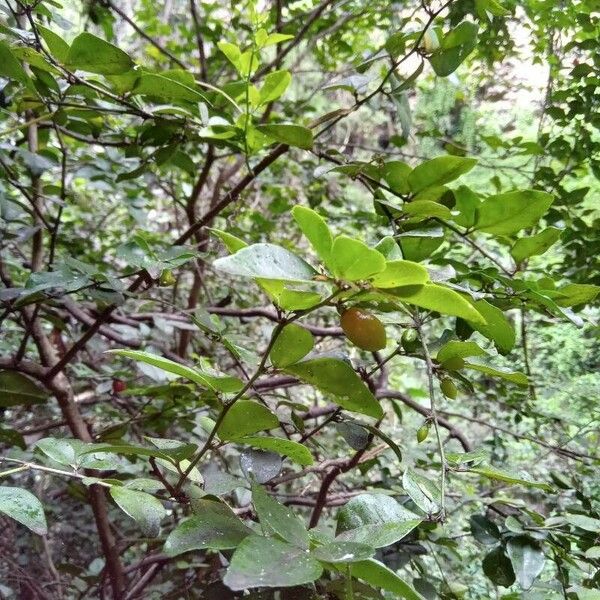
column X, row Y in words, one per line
column 24, row 507
column 507, row 477
column 260, row 465
column 153, row 84
column 512, row 376
column 214, row 526
column 266, row 261
column 438, row 171
column 573, row 294
column 292, row 135
column 534, row 245
column 456, row 349
column 399, row 273
column 378, row 575
column 496, row 328
column 145, row 509
column 483, row 530
column 131, row 450
column 11, row 68
column 389, row 248
column 18, row 389
column 293, row 450
column 422, row 491
column 371, row 509
column 315, row 229
column 508, row 213
column 274, row 86
column 278, row 519
column 343, row 552
column 267, row 562
column 438, row 298
column 527, row 559
column 396, row 173
column 380, row 535
column 232, row 243
column 584, row 522
column 293, row 343
column 455, row 47
column 95, row 55
column 337, row 377
column 498, row 568
column 222, row 384
column 374, row 519
column 62, row 451
column 466, row 203
column 57, row 46
column 419, row 210
column 352, row 260
column 246, row 417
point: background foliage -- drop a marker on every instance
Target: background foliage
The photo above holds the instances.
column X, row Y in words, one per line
column 198, row 202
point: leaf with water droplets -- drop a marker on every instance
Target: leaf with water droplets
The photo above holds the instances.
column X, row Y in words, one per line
column 24, row 507
column 214, row 526
column 145, row 509
column 267, row 562
column 278, row 519
column 260, row 465
column 343, row 552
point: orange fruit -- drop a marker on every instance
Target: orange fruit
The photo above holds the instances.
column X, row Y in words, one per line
column 363, row 329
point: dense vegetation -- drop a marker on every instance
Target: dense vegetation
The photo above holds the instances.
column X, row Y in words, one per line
column 297, row 299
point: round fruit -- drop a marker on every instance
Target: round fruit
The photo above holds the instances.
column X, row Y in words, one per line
column 118, row 385
column 410, row 340
column 423, row 432
column 363, row 329
column 167, row 278
column 448, row 388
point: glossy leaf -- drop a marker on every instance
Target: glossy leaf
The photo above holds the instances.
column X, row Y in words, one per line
column 534, row 245
column 343, row 552
column 24, row 507
column 337, row 377
column 380, row 576
column 438, row 171
column 167, row 88
column 496, row 327
column 507, row 477
column 214, row 526
column 260, row 465
column 18, row 389
column 438, row 298
column 94, row 55
column 498, row 568
column 274, row 86
column 266, row 261
column 400, row 273
column 275, row 518
column 293, row 343
column 315, row 229
column 506, row 214
column 11, row 68
column 484, row 530
column 223, row 384
column 527, row 559
column 292, row 135
column 352, row 260
column 268, row 562
column 295, row 451
column 512, row 376
column 244, row 418
column 147, row 510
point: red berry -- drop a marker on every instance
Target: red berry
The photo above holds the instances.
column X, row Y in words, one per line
column 118, row 385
